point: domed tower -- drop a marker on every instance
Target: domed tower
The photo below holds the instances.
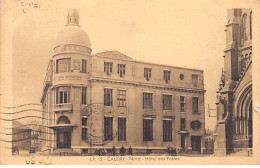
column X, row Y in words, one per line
column 72, row 38
column 71, row 67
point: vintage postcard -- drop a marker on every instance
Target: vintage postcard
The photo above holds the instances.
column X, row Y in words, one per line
column 129, row 82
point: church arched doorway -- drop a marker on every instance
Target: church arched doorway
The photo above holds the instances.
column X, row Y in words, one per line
column 250, row 126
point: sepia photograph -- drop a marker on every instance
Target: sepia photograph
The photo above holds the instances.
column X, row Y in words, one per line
column 129, row 82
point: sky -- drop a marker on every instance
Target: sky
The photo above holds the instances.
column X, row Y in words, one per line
column 178, row 33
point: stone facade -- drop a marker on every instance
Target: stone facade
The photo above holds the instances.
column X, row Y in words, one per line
column 234, row 106
column 74, row 71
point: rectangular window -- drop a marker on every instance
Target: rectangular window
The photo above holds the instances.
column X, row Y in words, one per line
column 182, row 103
column 147, row 129
column 108, row 67
column 167, row 130
column 167, row 75
column 84, row 121
column 108, row 128
column 195, row 106
column 62, row 95
column 195, row 79
column 147, row 100
column 167, row 102
column 147, row 73
column 63, row 65
column 121, row 98
column 121, row 129
column 84, row 128
column 121, row 70
column 183, row 123
column 84, row 95
column 84, row 66
column 108, row 97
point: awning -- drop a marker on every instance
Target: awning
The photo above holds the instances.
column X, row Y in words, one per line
column 62, row 126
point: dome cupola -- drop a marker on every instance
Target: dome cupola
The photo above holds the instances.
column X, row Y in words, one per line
column 73, row 17
column 72, row 34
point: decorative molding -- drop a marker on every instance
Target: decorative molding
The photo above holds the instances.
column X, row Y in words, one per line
column 147, row 86
column 148, row 116
column 245, row 69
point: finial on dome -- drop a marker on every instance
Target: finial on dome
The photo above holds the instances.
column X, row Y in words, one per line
column 73, row 17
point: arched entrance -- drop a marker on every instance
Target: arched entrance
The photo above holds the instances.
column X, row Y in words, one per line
column 243, row 125
column 63, row 133
column 250, row 126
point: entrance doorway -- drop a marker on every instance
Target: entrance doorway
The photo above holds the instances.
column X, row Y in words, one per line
column 183, row 142
column 63, row 134
column 196, row 143
column 63, row 138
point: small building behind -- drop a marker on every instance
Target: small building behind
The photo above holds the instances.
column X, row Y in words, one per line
column 21, row 135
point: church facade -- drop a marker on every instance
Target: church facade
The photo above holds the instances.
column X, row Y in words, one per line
column 234, row 106
column 107, row 99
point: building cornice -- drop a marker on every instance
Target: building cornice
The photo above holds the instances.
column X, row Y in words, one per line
column 70, row 52
column 151, row 86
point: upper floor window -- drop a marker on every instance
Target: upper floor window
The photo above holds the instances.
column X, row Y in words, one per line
column 84, row 66
column 244, row 31
column 183, row 123
column 108, row 66
column 195, row 79
column 121, row 70
column 121, row 98
column 195, row 104
column 181, row 76
column 182, row 104
column 62, row 95
column 63, row 65
column 108, row 97
column 84, row 95
column 147, row 73
column 195, row 125
column 166, row 75
column 147, row 100
column 167, row 102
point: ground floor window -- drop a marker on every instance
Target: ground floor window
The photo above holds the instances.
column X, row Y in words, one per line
column 147, row 129
column 84, row 129
column 121, row 129
column 108, row 128
column 167, row 130
column 84, row 133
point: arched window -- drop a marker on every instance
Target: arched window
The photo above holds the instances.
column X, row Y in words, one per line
column 250, row 25
column 244, row 35
column 63, row 120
